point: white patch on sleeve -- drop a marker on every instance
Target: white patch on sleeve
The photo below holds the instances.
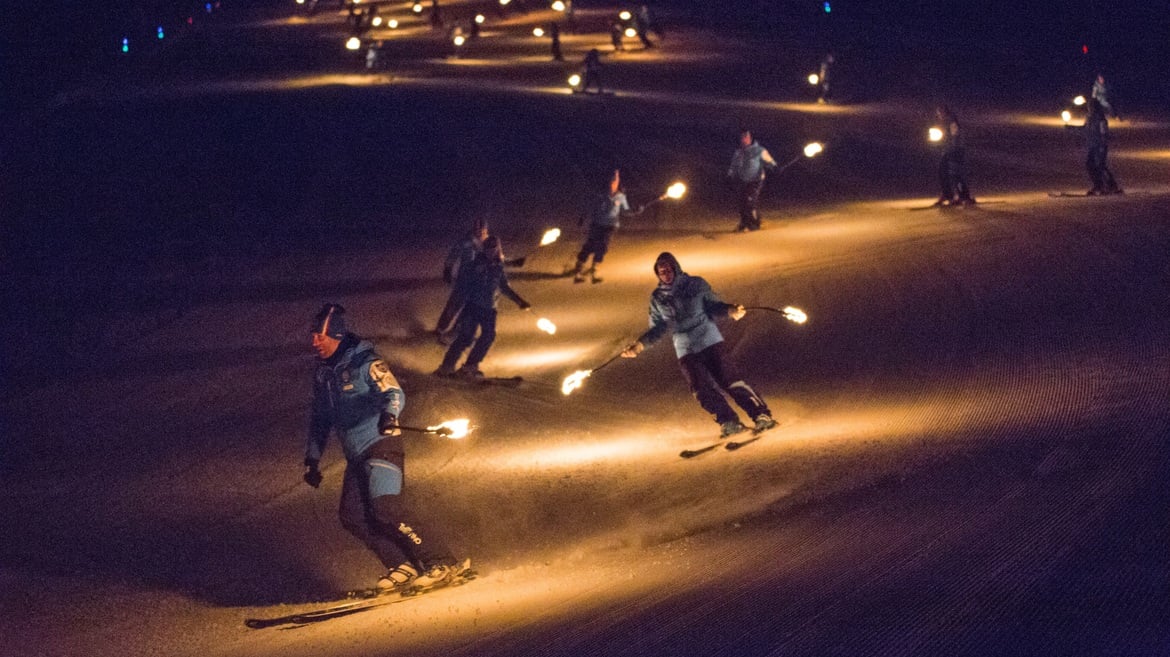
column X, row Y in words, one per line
column 381, row 376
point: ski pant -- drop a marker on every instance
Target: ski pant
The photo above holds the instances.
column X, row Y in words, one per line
column 1099, row 172
column 472, row 318
column 455, row 302
column 596, row 244
column 749, row 201
column 378, row 516
column 951, row 177
column 591, row 78
column 707, row 377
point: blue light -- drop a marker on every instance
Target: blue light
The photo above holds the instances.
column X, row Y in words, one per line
column 125, row 44
column 207, row 7
column 827, row 7
column 160, row 32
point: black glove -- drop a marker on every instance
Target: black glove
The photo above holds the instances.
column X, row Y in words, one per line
column 524, row 305
column 312, row 475
column 388, row 424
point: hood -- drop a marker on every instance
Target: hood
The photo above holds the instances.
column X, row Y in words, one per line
column 668, row 258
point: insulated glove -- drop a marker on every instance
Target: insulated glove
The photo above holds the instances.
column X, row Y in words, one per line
column 388, row 424
column 312, row 475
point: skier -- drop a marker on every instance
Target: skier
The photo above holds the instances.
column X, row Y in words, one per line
column 688, row 305
column 356, row 395
column 951, row 175
column 616, row 30
column 554, row 32
column 823, row 78
column 456, row 273
column 747, row 172
column 604, row 218
column 647, row 23
column 486, row 280
column 592, row 72
column 1097, row 140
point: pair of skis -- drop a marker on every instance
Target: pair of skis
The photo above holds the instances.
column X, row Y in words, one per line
column 730, row 445
column 355, row 602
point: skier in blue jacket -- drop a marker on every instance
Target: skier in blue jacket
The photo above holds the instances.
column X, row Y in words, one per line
column 687, row 305
column 747, row 171
column 605, row 217
column 356, row 395
column 456, row 271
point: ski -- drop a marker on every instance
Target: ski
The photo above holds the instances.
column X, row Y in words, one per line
column 692, row 453
column 506, row 381
column 756, row 435
column 1081, row 194
column 364, row 600
column 940, row 206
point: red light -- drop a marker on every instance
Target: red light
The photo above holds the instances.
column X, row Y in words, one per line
column 1085, row 49
column 190, row 20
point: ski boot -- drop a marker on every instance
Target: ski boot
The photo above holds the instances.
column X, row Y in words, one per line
column 763, row 423
column 470, row 372
column 398, row 579
column 441, row 575
column 593, row 276
column 579, row 273
column 730, row 428
column 445, row 372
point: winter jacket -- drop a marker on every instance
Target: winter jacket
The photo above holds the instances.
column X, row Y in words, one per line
column 748, row 163
column 607, row 212
column 689, row 306
column 1096, row 129
column 351, row 389
column 461, row 255
column 486, row 281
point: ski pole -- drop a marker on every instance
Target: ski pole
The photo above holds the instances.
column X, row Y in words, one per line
column 792, row 314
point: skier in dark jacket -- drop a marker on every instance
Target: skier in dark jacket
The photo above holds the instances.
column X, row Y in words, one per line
column 456, row 272
column 952, row 176
column 747, row 172
column 486, row 282
column 687, row 306
column 604, row 219
column 356, row 396
column 1097, row 141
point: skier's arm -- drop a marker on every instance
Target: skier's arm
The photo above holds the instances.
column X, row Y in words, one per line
column 658, row 327
column 766, row 158
column 319, row 427
column 389, row 395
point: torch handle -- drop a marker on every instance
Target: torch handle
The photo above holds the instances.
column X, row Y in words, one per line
column 438, row 432
column 612, row 359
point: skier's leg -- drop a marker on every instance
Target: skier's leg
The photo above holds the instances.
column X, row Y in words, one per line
column 464, row 335
column 450, row 310
column 487, row 335
column 729, row 380
column 389, row 508
column 704, row 390
column 357, row 519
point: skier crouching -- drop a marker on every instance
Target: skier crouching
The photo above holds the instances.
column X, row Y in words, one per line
column 356, row 395
column 688, row 305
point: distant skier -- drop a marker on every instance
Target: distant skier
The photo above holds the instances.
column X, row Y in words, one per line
column 823, row 78
column 554, row 32
column 591, row 74
column 687, row 305
column 605, row 215
column 747, row 171
column 356, row 396
column 457, row 274
column 952, row 176
column 1097, row 141
column 616, row 33
column 486, row 282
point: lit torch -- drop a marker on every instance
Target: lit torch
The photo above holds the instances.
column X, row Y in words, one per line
column 558, row 6
column 353, row 43
column 814, row 79
column 577, row 379
column 935, row 134
column 1078, row 101
column 810, row 151
column 546, row 325
column 453, row 429
column 551, row 235
column 791, row 313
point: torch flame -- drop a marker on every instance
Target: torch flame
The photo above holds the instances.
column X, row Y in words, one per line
column 537, row 31
column 795, row 315
column 574, row 80
column 813, row 149
column 936, row 134
column 553, row 234
column 353, row 43
column 574, row 381
column 1066, row 116
column 417, row 8
column 453, row 429
column 813, row 78
column 558, row 6
column 625, row 15
column 546, row 325
column 459, row 39
column 631, row 33
column 1078, row 101
column 676, row 191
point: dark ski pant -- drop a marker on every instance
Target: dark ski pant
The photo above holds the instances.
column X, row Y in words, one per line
column 707, row 377
column 1098, row 168
column 472, row 318
column 749, row 201
column 951, row 177
column 382, row 521
column 596, row 244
